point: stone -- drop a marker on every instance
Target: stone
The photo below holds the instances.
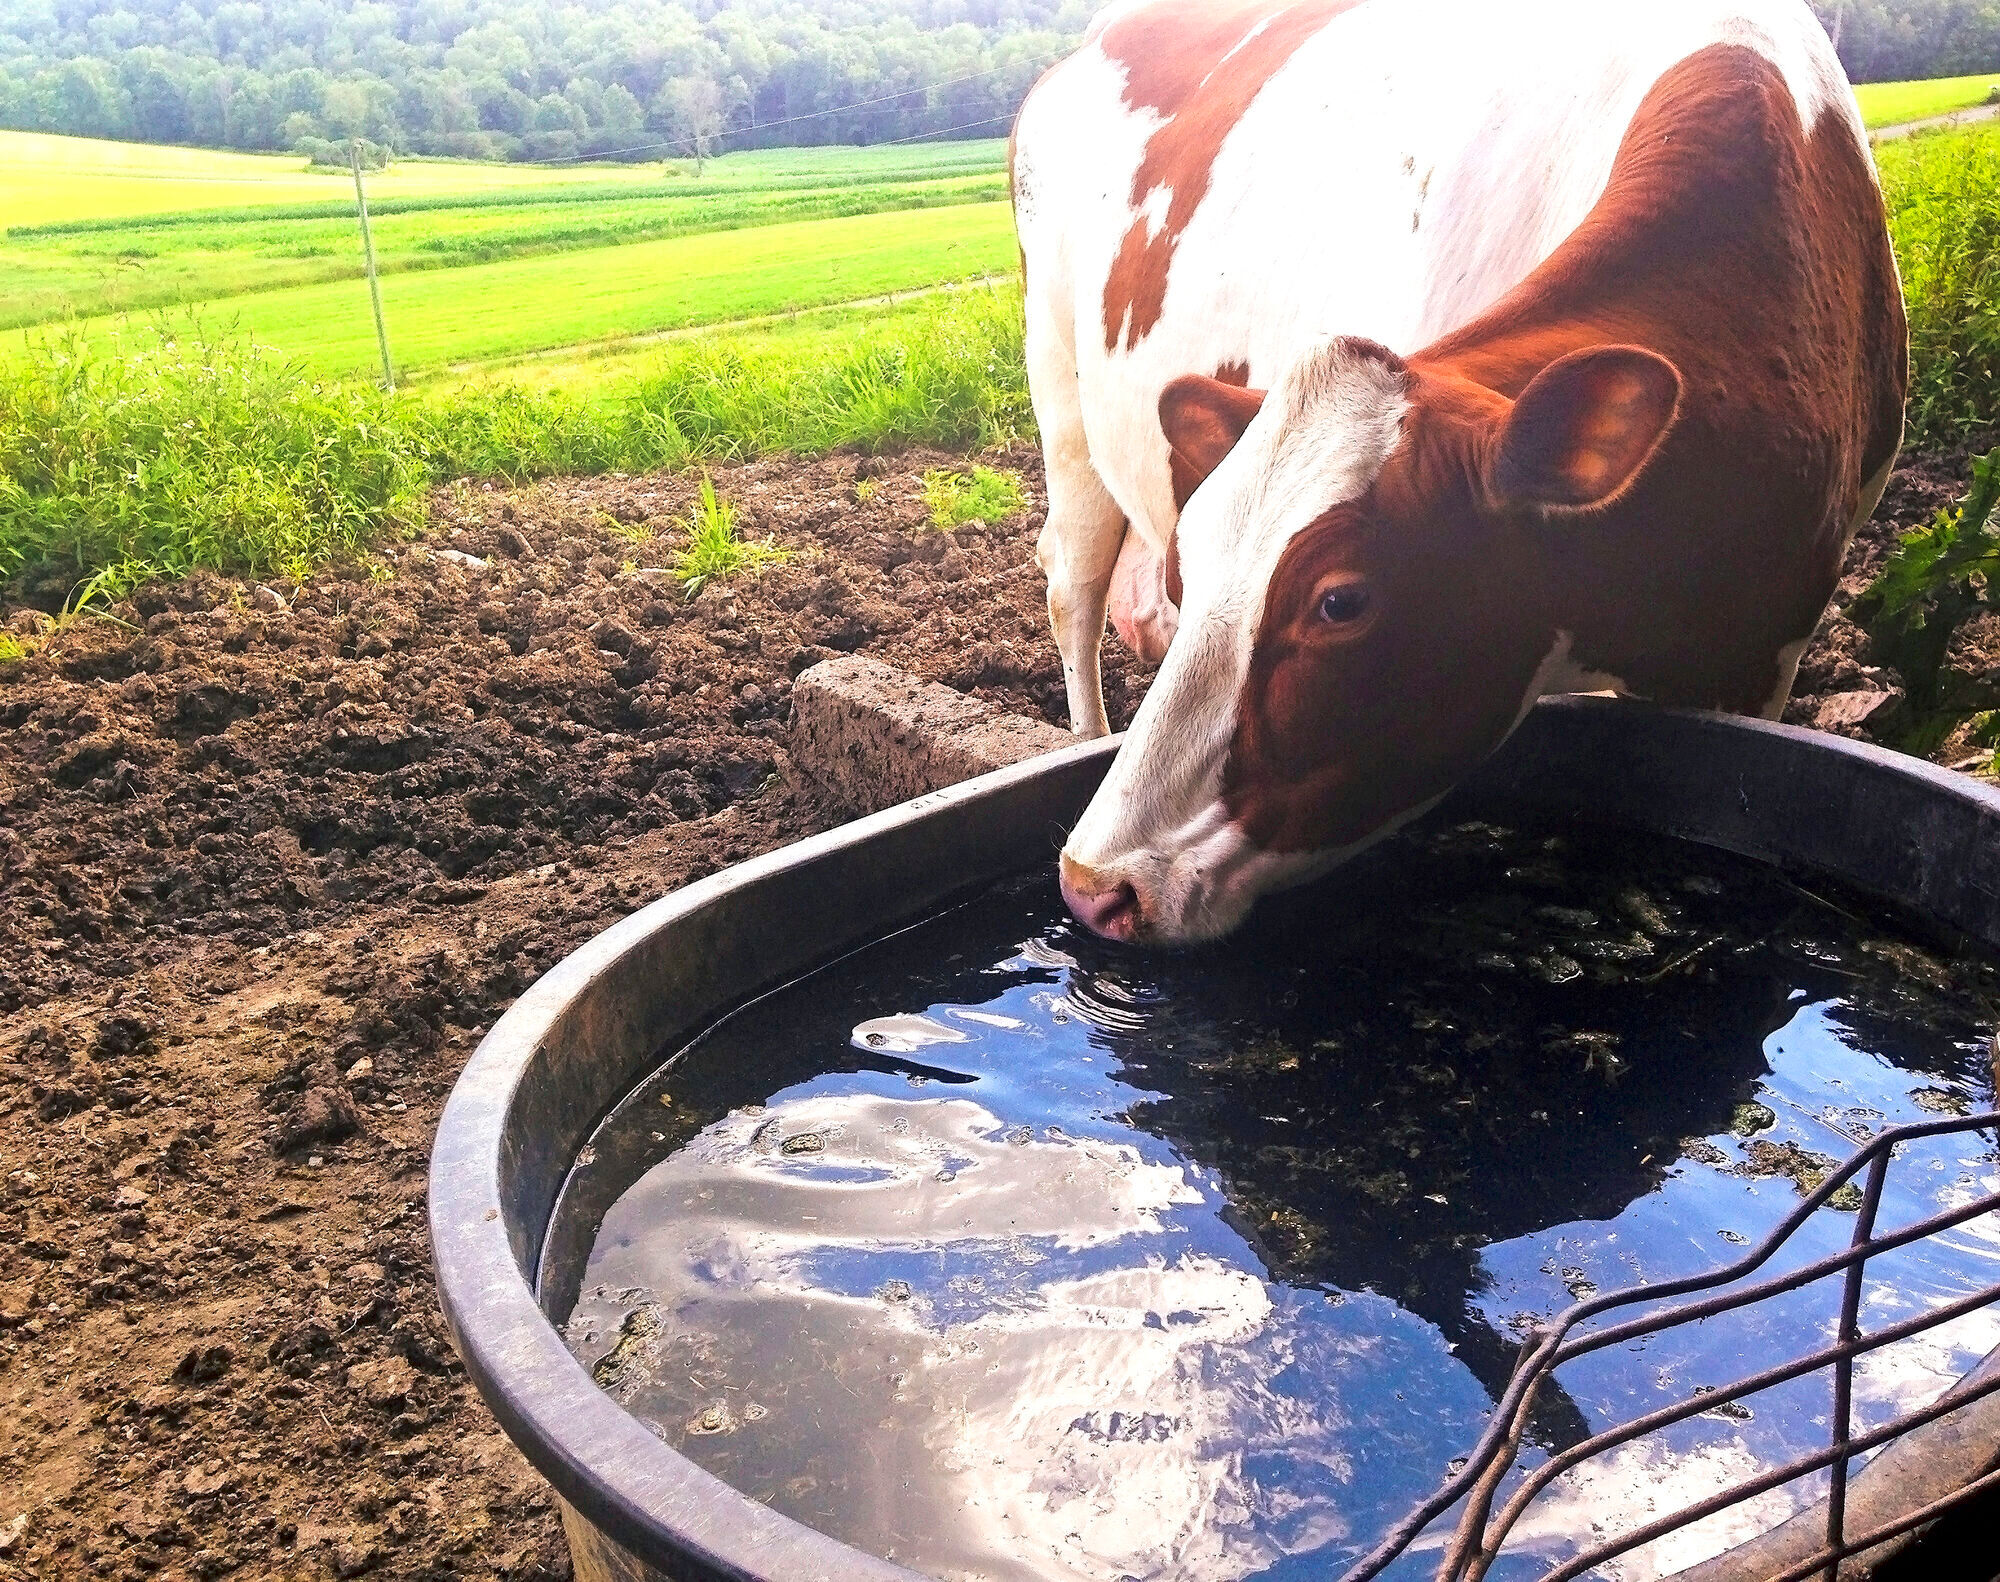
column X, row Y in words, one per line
column 1858, row 713
column 267, row 600
column 160, row 1401
column 322, row 1114
column 459, row 557
column 871, row 736
column 364, row 1067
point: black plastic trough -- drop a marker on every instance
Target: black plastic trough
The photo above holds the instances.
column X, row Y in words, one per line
column 579, row 1039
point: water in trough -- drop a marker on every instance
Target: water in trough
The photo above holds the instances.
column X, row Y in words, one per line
column 1006, row 1253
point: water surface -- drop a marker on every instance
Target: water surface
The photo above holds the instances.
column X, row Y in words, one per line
column 1007, row 1253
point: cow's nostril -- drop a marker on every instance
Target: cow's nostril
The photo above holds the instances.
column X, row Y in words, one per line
column 1112, row 911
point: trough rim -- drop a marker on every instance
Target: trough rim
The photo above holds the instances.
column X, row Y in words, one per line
column 669, row 1513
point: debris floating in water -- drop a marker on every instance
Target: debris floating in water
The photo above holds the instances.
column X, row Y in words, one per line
column 1001, row 1251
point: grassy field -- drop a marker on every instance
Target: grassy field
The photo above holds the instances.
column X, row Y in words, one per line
column 114, row 469
column 47, row 180
column 1943, row 194
column 1890, row 103
column 206, row 452
column 138, row 267
column 491, row 311
column 428, row 215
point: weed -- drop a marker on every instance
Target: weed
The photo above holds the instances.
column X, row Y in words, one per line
column 865, row 489
column 12, row 649
column 714, row 550
column 1938, row 577
column 631, row 532
column 989, row 495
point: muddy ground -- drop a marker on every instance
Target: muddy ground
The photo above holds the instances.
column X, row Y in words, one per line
column 272, row 858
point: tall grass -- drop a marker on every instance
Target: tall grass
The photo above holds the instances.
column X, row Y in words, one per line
column 114, row 468
column 1943, row 193
column 205, row 452
column 952, row 376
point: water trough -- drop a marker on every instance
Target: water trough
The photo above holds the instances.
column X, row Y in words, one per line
column 578, row 1040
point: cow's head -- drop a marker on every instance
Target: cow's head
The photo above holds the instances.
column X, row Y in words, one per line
column 1366, row 555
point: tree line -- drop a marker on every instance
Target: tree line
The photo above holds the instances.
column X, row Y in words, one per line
column 632, row 79
column 525, row 79
column 1896, row 40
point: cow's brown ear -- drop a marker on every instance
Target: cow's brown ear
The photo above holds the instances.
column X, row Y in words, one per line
column 1584, row 429
column 1203, row 419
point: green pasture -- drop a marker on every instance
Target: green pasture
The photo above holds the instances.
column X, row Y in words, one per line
column 427, row 215
column 1892, row 103
column 487, row 311
column 209, row 452
column 234, row 442
column 143, row 265
column 46, row 179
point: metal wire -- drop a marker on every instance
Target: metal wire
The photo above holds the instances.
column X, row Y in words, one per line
column 1480, row 1538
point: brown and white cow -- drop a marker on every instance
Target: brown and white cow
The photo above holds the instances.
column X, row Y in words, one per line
column 1419, row 358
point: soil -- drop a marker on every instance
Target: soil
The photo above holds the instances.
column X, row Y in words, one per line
column 273, row 858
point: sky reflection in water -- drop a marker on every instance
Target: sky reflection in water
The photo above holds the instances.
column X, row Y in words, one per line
column 1008, row 1254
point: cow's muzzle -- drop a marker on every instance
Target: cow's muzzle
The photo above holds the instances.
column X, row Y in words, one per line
column 1106, row 906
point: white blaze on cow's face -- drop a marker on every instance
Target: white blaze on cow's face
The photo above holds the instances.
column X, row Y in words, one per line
column 1157, row 841
column 1367, row 578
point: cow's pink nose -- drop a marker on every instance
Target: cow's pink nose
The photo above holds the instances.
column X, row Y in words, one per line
column 1108, row 907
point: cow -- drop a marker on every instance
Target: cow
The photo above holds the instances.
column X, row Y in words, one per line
column 1400, row 362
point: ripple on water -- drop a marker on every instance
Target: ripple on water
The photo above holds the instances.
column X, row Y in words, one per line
column 1006, row 1253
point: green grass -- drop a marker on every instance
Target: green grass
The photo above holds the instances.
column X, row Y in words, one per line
column 47, row 179
column 438, row 317
column 1943, row 195
column 987, row 495
column 1892, row 103
column 715, row 549
column 119, row 464
column 122, row 466
column 127, row 449
column 139, row 267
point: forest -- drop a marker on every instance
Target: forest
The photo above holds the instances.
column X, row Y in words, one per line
column 633, row 79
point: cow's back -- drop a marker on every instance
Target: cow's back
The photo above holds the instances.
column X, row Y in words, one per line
column 1212, row 188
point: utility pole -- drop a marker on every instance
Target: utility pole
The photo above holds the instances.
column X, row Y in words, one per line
column 368, row 249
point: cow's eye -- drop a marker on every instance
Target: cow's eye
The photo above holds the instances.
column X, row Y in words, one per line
column 1343, row 605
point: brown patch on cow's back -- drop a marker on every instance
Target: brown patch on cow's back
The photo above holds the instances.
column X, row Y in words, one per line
column 1200, row 64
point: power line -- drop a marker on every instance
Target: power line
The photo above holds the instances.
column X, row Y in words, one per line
column 918, row 137
column 815, row 115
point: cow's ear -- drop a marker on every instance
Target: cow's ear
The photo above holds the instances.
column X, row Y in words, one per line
column 1203, row 419
column 1584, row 429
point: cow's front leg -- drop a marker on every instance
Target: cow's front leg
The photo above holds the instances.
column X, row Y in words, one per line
column 1078, row 552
